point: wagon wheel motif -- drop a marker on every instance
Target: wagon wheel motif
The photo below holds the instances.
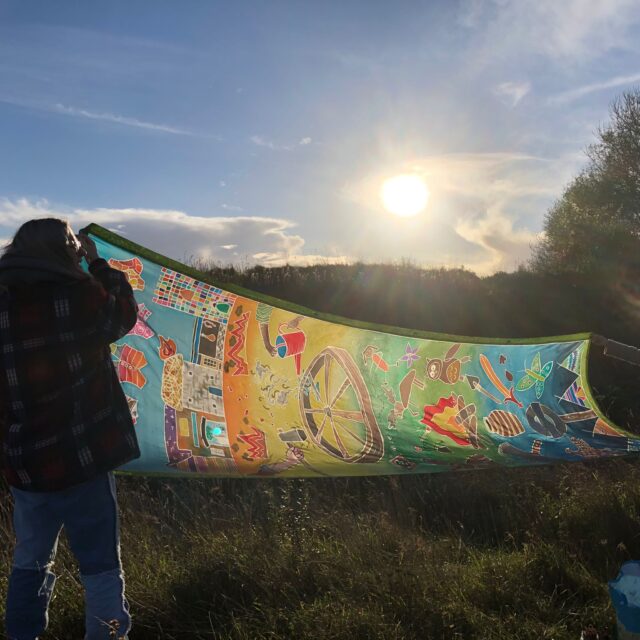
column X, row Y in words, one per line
column 336, row 408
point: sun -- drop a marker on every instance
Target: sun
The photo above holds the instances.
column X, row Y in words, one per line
column 404, row 195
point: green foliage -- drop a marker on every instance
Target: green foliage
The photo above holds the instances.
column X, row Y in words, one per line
column 594, row 228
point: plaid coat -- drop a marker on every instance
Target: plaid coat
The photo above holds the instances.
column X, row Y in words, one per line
column 63, row 415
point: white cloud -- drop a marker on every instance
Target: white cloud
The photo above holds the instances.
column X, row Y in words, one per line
column 501, row 199
column 573, row 94
column 512, row 92
column 176, row 234
column 305, row 141
column 504, row 247
column 230, row 207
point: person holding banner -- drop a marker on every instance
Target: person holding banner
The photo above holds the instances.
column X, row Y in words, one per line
column 64, row 421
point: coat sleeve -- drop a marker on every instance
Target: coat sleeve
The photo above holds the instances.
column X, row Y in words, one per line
column 117, row 310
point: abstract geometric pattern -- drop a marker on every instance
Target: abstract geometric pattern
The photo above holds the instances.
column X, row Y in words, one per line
column 182, row 293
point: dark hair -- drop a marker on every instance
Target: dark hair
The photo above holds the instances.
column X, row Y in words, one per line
column 47, row 239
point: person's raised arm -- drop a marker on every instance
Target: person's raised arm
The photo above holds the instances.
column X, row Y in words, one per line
column 117, row 309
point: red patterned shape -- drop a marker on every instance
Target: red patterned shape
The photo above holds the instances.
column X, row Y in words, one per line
column 129, row 365
column 441, row 418
column 256, row 442
column 238, row 331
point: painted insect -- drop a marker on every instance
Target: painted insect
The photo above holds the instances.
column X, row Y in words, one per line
column 446, row 369
column 402, row 404
column 536, row 375
column 373, row 356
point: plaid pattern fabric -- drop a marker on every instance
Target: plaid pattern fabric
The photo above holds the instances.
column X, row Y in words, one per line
column 63, row 415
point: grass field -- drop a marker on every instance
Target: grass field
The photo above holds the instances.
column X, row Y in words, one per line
column 521, row 553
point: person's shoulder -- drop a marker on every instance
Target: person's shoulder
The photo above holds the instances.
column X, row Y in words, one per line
column 79, row 291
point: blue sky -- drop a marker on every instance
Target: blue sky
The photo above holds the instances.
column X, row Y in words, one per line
column 261, row 131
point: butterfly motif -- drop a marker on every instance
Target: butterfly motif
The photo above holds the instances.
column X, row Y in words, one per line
column 537, row 376
column 129, row 362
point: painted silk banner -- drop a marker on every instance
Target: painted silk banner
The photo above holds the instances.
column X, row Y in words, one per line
column 225, row 382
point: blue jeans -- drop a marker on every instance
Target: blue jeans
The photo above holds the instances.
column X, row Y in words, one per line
column 89, row 513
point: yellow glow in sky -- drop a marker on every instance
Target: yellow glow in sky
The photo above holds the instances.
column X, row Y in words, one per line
column 404, row 195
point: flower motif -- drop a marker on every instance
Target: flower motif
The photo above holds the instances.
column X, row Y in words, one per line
column 410, row 355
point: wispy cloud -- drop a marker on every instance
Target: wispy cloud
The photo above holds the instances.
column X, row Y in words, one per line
column 261, row 141
column 302, row 260
column 104, row 116
column 574, row 94
column 572, row 30
column 512, row 92
column 118, row 119
column 479, row 175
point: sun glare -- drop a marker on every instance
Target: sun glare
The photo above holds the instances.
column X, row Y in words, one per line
column 405, row 195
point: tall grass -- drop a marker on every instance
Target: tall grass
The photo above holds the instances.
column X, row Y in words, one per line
column 490, row 554
column 514, row 553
